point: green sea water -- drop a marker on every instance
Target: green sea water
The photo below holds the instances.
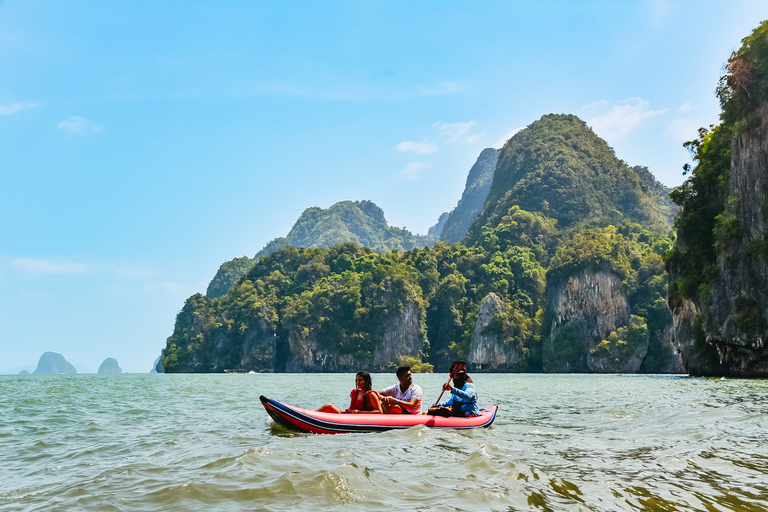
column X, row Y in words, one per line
column 204, row 442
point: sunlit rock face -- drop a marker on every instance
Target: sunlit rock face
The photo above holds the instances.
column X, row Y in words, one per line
column 487, row 352
column 584, row 309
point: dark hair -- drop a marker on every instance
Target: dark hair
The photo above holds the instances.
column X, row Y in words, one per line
column 366, row 378
column 402, row 371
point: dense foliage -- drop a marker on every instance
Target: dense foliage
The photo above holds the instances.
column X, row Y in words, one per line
column 345, row 295
column 228, row 274
column 560, row 168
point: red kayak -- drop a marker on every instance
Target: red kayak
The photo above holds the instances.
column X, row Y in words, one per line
column 306, row 420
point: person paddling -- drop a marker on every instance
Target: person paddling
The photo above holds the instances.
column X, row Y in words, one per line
column 404, row 397
column 463, row 401
column 362, row 399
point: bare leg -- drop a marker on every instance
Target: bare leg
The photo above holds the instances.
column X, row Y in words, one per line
column 393, row 409
column 330, row 408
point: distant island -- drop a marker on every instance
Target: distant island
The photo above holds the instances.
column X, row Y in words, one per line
column 51, row 362
column 110, row 366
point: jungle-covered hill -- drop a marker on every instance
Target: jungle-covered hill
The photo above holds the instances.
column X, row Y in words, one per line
column 561, row 209
column 361, row 222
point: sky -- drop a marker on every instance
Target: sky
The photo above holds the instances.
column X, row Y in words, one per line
column 143, row 144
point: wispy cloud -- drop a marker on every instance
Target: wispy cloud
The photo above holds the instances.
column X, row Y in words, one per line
column 503, row 140
column 42, row 267
column 685, row 107
column 78, row 125
column 454, row 132
column 624, row 117
column 682, row 129
column 412, row 170
column 421, row 148
column 16, row 107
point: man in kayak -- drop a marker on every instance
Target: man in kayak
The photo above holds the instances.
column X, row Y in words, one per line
column 463, row 401
column 404, row 397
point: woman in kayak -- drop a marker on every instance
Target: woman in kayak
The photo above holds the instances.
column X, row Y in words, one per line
column 363, row 399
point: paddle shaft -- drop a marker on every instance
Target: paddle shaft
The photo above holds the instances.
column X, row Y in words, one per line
column 441, row 395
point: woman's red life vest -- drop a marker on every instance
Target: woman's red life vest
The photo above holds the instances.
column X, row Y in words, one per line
column 363, row 404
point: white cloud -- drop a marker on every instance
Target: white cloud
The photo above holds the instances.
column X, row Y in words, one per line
column 682, row 129
column 416, row 147
column 454, row 131
column 77, row 125
column 623, row 117
column 684, row 108
column 51, row 267
column 503, row 140
column 16, row 107
column 412, row 169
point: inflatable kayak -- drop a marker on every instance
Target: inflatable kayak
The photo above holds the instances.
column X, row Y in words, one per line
column 306, row 420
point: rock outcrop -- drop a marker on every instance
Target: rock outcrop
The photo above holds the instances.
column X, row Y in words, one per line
column 51, row 362
column 726, row 333
column 584, row 309
column 157, row 367
column 487, row 352
column 402, row 337
column 110, row 366
column 472, row 199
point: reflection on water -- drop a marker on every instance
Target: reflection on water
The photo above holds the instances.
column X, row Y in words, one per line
column 204, row 442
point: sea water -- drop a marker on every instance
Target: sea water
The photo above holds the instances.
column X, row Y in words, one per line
column 204, row 442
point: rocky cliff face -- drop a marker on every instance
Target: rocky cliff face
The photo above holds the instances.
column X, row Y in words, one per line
column 487, row 352
column 472, row 199
column 584, row 309
column 726, row 333
column 403, row 337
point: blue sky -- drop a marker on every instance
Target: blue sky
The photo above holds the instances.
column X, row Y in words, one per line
column 144, row 143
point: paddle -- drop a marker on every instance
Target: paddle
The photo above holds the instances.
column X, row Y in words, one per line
column 456, row 367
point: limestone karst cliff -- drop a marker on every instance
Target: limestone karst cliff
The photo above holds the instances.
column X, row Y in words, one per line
column 725, row 332
column 583, row 308
column 487, row 351
column 719, row 266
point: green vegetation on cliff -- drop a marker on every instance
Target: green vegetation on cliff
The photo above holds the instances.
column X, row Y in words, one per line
column 344, row 298
column 361, row 222
column 560, row 202
column 228, row 274
column 559, row 167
